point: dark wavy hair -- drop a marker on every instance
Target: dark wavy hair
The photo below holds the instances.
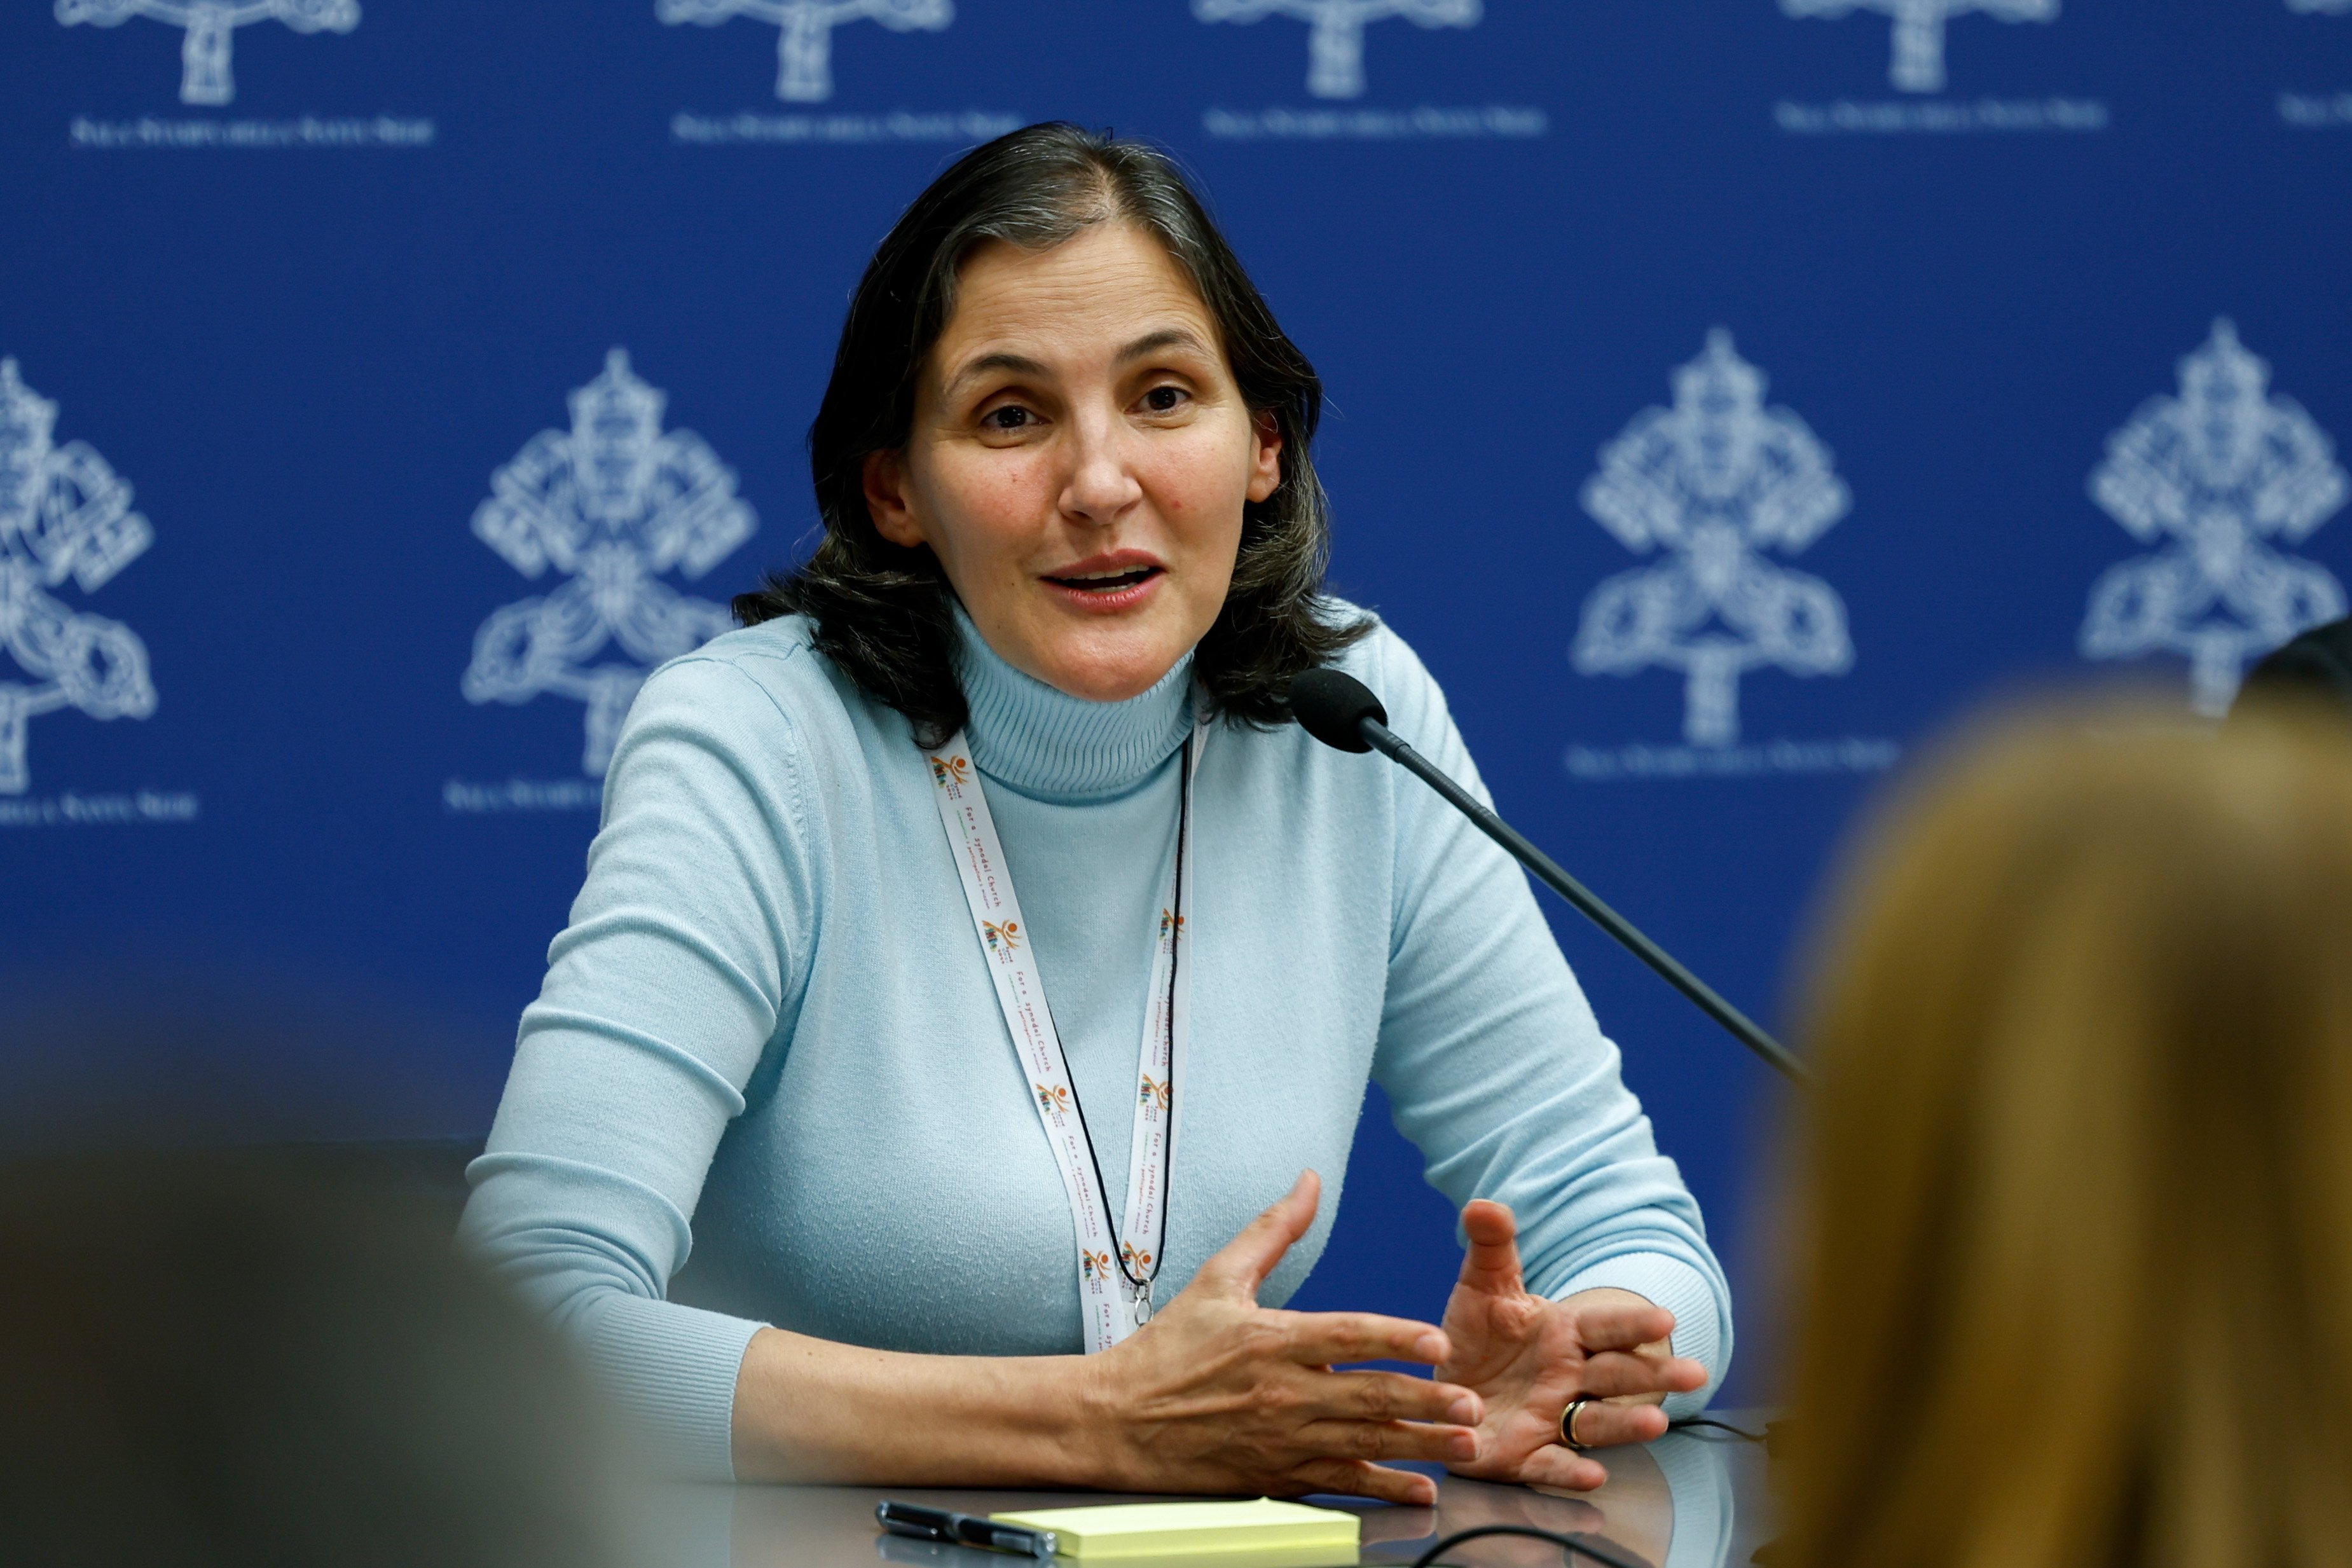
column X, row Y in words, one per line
column 884, row 613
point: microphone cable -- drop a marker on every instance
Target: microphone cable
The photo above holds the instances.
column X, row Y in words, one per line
column 1576, row 1543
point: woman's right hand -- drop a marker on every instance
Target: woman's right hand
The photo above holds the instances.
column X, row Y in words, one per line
column 1218, row 1394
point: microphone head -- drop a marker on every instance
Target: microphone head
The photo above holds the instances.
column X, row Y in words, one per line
column 1332, row 706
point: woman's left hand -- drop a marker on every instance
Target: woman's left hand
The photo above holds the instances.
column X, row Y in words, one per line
column 1527, row 1357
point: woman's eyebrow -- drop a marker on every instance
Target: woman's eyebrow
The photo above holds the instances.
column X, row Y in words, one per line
column 1016, row 364
column 1021, row 364
column 1166, row 338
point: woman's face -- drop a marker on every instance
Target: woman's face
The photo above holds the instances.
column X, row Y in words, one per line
column 1079, row 459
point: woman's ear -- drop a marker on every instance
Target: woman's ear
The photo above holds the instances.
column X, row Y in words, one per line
column 1266, row 455
column 887, row 501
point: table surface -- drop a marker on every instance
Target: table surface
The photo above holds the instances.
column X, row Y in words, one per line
column 1694, row 1499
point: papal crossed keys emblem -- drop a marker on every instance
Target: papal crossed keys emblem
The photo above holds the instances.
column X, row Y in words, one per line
column 64, row 514
column 1714, row 482
column 804, row 31
column 614, row 503
column 1335, row 41
column 2215, row 475
column 211, row 26
column 1918, row 46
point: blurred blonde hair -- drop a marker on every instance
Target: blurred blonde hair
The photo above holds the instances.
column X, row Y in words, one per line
column 2074, row 1263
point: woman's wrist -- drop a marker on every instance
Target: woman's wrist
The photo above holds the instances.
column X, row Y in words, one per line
column 1094, row 1434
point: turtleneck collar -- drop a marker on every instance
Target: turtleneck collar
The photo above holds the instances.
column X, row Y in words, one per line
column 1053, row 747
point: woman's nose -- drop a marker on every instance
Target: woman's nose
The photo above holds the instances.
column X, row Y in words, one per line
column 1102, row 486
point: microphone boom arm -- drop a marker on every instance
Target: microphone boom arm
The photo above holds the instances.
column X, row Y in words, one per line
column 1741, row 1028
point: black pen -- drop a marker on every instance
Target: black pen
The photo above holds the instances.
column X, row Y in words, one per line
column 965, row 1529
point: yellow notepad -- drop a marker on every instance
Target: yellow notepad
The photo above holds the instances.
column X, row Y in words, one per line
column 1264, row 1532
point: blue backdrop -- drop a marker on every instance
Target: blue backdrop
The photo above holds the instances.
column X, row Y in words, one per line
column 1725, row 393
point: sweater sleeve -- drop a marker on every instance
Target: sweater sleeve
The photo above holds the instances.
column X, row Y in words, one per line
column 661, row 996
column 1497, row 1070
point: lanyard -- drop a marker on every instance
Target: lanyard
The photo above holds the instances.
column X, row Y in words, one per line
column 1115, row 1275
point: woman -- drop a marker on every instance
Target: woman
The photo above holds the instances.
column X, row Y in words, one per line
column 2079, row 1164
column 1072, row 559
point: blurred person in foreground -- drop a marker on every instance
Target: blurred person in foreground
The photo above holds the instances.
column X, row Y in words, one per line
column 236, row 1358
column 2074, row 1277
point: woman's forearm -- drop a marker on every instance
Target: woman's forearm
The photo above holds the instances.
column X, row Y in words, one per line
column 813, row 1410
column 1215, row 1395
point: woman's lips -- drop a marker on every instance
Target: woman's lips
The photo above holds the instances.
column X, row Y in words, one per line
column 1106, row 591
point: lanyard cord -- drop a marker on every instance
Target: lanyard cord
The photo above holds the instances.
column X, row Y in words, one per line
column 1028, row 1018
column 1175, row 946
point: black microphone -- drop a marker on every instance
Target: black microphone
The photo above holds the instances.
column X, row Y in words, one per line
column 1342, row 712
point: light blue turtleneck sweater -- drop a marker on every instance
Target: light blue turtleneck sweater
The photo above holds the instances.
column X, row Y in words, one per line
column 769, row 1038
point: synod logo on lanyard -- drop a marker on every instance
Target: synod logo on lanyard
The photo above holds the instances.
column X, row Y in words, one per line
column 1114, row 1270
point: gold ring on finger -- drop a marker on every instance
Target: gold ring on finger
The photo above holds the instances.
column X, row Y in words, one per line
column 1567, row 1422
